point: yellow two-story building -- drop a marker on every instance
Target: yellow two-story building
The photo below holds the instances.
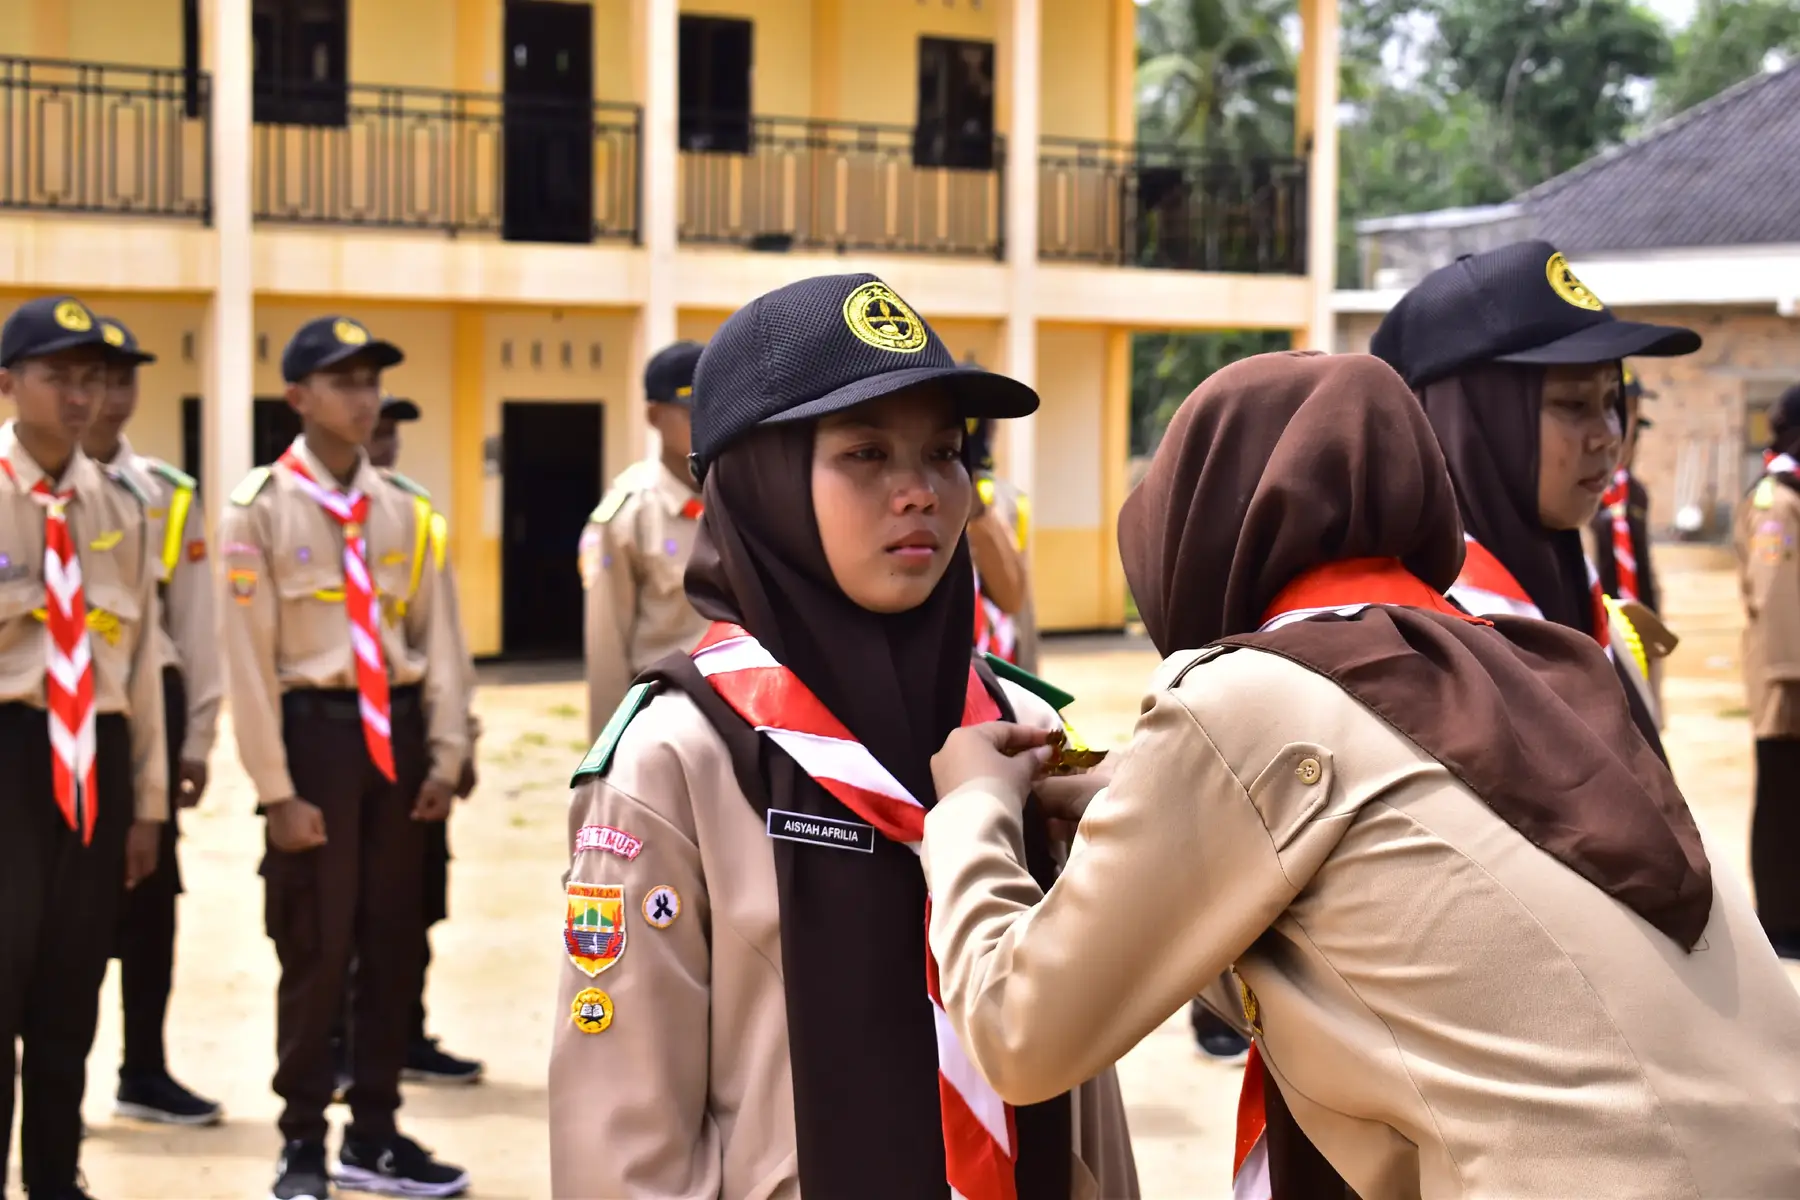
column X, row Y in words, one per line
column 531, row 196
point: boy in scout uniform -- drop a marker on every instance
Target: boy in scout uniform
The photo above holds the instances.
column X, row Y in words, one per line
column 635, row 548
column 1766, row 534
column 81, row 725
column 999, row 533
column 347, row 696
column 187, row 639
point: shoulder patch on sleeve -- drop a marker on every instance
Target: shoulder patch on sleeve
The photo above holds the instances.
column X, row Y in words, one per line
column 180, row 479
column 635, row 478
column 407, row 485
column 125, row 481
column 1048, row 692
column 246, row 492
column 600, row 757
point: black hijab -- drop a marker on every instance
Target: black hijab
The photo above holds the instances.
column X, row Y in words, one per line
column 862, row 1040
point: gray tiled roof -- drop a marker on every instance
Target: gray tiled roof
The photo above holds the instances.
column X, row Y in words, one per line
column 1724, row 173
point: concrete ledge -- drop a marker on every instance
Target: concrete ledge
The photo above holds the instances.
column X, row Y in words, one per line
column 72, row 252
column 1147, row 299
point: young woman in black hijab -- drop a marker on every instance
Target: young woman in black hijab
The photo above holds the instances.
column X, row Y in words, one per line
column 744, row 878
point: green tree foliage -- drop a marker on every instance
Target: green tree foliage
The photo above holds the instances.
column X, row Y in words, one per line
column 1727, row 41
column 1217, row 74
column 1165, row 367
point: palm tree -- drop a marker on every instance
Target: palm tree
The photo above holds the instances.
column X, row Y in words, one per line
column 1217, row 74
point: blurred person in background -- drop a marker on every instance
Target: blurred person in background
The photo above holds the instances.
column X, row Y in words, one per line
column 999, row 537
column 193, row 686
column 635, row 548
column 1619, row 534
column 1766, row 537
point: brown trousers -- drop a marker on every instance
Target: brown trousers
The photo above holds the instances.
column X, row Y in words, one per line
column 356, row 898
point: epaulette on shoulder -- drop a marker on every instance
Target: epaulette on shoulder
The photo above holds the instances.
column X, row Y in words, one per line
column 635, row 478
column 245, row 493
column 600, row 757
column 1764, row 496
column 179, row 478
column 1048, row 692
column 407, row 485
column 123, row 479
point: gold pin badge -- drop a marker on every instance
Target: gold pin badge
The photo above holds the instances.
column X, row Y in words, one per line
column 73, row 316
column 592, row 1010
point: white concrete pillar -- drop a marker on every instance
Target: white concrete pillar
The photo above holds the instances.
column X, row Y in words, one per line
column 230, row 381
column 1025, row 71
column 1319, row 96
column 656, row 25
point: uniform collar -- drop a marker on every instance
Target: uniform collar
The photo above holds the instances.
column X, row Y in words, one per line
column 81, row 475
column 365, row 480
column 674, row 491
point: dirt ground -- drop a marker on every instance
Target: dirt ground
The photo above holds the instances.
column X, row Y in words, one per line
column 492, row 987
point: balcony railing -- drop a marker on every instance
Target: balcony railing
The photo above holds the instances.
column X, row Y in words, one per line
column 459, row 162
column 837, row 186
column 1170, row 207
column 98, row 138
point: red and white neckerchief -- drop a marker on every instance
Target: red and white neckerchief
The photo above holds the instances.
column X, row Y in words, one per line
column 68, row 663
column 1779, row 464
column 995, row 632
column 351, row 510
column 694, row 509
column 1487, row 589
column 980, row 1141
column 1336, row 589
column 1617, row 501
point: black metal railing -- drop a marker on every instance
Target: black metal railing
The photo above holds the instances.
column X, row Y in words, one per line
column 102, row 138
column 775, row 183
column 459, row 162
column 1170, row 207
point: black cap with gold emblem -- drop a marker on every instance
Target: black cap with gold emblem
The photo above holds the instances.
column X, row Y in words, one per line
column 822, row 345
column 326, row 341
column 121, row 344
column 1518, row 304
column 46, row 326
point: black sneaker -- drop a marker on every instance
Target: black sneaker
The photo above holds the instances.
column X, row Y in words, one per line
column 300, row 1173
column 427, row 1063
column 397, row 1167
column 160, row 1099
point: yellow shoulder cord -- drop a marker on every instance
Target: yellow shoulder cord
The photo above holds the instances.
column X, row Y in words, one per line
column 98, row 621
column 1633, row 642
column 1024, row 520
column 440, row 540
column 422, row 519
column 179, row 503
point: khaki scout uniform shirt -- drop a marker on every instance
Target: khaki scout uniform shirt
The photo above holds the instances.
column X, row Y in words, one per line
column 284, row 623
column 118, row 583
column 448, row 595
column 1766, row 536
column 688, row 1092
column 1449, row 1012
column 634, row 552
column 188, row 637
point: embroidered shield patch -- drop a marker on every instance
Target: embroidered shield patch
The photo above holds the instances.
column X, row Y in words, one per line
column 594, row 931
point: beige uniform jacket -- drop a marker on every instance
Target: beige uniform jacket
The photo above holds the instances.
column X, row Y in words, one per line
column 633, row 554
column 448, row 596
column 188, row 637
column 688, row 1092
column 285, row 627
column 1766, row 536
column 1449, row 1012
column 118, row 583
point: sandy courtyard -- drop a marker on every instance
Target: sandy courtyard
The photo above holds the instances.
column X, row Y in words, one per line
column 492, row 986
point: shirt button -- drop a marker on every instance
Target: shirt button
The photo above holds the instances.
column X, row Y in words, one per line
column 1309, row 771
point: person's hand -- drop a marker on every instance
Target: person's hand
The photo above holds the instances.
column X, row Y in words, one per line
column 190, row 783
column 1066, row 797
column 465, row 783
column 141, row 846
column 435, row 799
column 997, row 750
column 295, row 825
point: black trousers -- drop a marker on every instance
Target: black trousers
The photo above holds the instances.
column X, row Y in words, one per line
column 1775, row 840
column 59, row 901
column 354, row 899
column 146, row 939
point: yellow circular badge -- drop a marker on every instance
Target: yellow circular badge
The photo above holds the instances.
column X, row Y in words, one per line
column 71, row 315
column 1564, row 284
column 883, row 320
column 592, row 1010
column 112, row 333
column 350, row 333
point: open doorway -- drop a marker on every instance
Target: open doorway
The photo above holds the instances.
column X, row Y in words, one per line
column 550, row 470
column 549, row 124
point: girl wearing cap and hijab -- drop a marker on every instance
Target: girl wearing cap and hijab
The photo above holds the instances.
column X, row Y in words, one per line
column 1519, row 368
column 1414, row 832
column 748, row 1008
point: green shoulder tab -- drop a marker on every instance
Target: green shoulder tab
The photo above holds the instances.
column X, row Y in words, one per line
column 124, row 480
column 1765, row 494
column 181, row 479
column 600, row 757
column 406, row 485
column 1048, row 692
column 244, row 494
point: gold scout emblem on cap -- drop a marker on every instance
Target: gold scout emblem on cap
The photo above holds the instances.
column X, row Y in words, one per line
column 882, row 319
column 72, row 316
column 350, row 333
column 1564, row 284
column 112, row 333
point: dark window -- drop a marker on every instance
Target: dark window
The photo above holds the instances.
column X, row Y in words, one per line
column 274, row 426
column 300, row 48
column 714, row 72
column 956, row 104
column 191, row 450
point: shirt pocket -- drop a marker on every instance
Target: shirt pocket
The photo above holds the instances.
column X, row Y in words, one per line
column 113, row 620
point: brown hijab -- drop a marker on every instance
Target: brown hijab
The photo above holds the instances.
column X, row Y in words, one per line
column 861, row 1039
column 1286, row 462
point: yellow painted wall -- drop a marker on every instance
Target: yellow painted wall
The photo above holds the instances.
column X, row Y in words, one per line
column 877, row 75
column 1076, row 70
column 1068, row 506
column 698, row 325
column 122, row 31
column 408, row 43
